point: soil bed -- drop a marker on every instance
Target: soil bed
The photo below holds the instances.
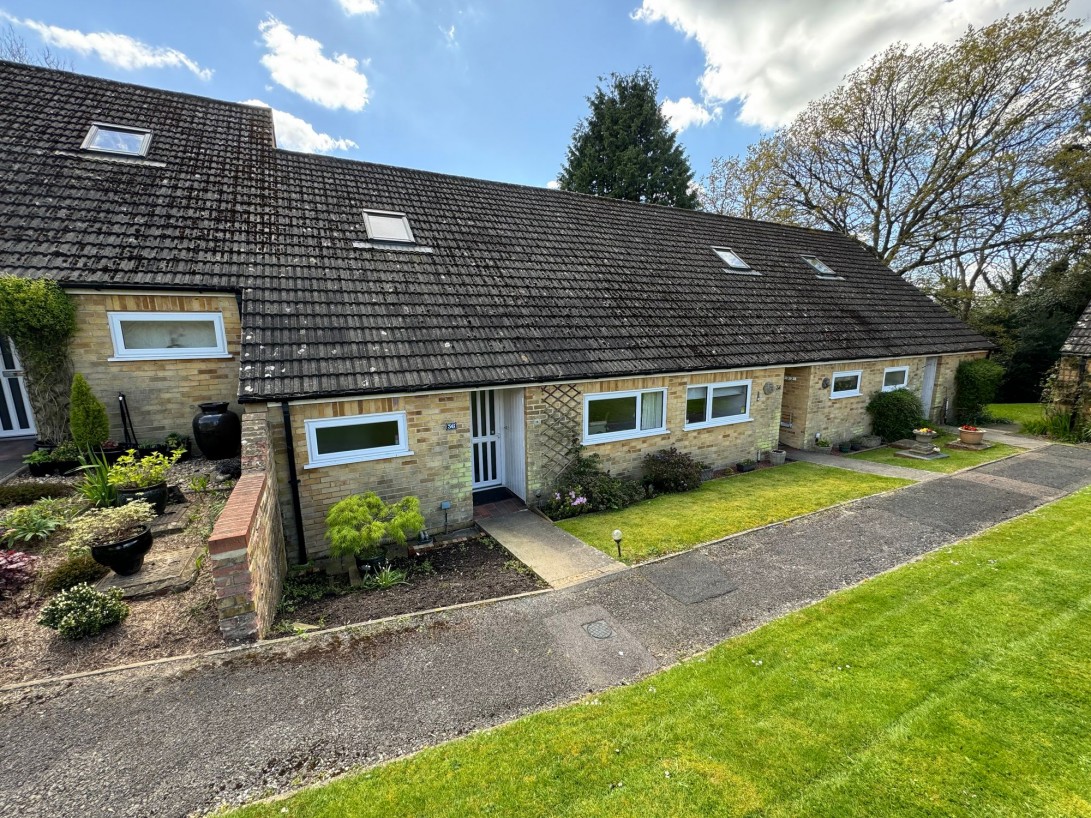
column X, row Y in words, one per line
column 156, row 627
column 470, row 571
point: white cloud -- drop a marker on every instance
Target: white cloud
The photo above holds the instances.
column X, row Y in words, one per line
column 553, row 184
column 297, row 63
column 119, row 50
column 351, row 7
column 684, row 112
column 296, row 134
column 449, row 33
column 776, row 57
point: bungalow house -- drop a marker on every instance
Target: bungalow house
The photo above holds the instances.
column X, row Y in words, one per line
column 1073, row 373
column 418, row 333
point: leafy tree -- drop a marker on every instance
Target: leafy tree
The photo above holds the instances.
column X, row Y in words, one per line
column 940, row 159
column 625, row 148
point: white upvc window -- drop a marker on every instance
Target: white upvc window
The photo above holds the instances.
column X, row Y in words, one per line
column 846, row 384
column 165, row 336
column 716, row 404
column 895, row 377
column 117, row 139
column 387, row 225
column 334, row 441
column 623, row 415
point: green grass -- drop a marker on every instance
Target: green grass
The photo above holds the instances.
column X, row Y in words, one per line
column 959, row 685
column 1015, row 412
column 959, row 459
column 675, row 522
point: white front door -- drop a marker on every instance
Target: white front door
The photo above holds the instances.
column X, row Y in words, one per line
column 486, row 425
column 514, row 443
column 16, row 419
column 928, row 389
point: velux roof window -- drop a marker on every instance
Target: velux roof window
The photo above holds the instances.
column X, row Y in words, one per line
column 383, row 225
column 820, row 267
column 734, row 261
column 117, row 139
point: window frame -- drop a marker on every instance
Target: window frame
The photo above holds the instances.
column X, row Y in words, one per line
column 122, row 353
column 388, row 214
column 745, row 268
column 905, row 379
column 97, row 127
column 821, row 268
column 710, row 421
column 608, row 437
column 857, row 392
column 317, row 461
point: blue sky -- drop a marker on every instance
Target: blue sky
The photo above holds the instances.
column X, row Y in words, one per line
column 489, row 89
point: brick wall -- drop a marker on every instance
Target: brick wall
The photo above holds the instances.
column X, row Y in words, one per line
column 554, row 416
column 439, row 468
column 246, row 549
column 162, row 395
column 813, row 412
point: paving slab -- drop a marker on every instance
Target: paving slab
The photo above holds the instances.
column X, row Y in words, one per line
column 167, row 572
column 689, row 578
column 225, row 731
column 550, row 552
column 1051, row 471
column 863, row 466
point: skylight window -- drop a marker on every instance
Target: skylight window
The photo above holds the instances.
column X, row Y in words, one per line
column 823, row 269
column 117, row 139
column 384, row 225
column 731, row 258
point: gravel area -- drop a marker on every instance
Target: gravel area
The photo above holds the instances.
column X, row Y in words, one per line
column 177, row 740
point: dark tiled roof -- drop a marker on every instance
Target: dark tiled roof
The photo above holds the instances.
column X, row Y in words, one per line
column 1079, row 340
column 191, row 214
column 522, row 284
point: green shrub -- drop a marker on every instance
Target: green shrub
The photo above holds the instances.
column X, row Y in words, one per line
column 133, row 472
column 71, row 571
column 81, row 611
column 976, row 383
column 87, row 419
column 1058, row 425
column 20, row 494
column 358, row 525
column 583, row 486
column 894, row 415
column 16, row 570
column 28, row 525
column 670, row 470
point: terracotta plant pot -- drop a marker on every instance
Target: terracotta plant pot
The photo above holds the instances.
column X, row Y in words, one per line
column 156, row 495
column 971, row 438
column 126, row 556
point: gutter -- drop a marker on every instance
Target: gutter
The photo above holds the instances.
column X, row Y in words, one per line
column 293, row 483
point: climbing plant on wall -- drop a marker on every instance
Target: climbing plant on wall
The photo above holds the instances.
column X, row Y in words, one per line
column 40, row 318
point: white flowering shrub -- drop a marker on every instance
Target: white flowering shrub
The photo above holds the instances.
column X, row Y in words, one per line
column 81, row 611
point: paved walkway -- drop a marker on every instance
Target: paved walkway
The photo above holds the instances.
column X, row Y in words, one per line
column 179, row 738
column 550, row 552
column 865, row 466
column 11, row 455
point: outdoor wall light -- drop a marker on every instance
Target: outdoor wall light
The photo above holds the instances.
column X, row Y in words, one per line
column 617, row 540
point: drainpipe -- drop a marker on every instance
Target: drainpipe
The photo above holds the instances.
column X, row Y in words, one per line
column 293, row 482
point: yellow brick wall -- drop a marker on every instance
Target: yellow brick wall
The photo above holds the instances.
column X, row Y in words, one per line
column 814, row 412
column 439, row 468
column 718, row 446
column 162, row 395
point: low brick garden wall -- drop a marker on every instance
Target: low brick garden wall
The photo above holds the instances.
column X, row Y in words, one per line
column 246, row 548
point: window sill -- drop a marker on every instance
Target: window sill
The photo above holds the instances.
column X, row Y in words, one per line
column 357, row 458
column 847, row 395
column 895, row 388
column 710, row 424
column 163, row 356
column 615, row 436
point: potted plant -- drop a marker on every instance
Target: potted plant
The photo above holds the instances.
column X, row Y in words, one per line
column 39, row 462
column 116, row 537
column 924, row 434
column 777, row 457
column 869, row 441
column 746, row 465
column 358, row 526
column 845, row 446
column 65, row 457
column 823, row 446
column 971, row 435
column 143, row 478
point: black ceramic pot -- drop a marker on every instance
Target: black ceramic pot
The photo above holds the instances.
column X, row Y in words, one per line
column 156, row 495
column 371, row 565
column 217, row 431
column 127, row 556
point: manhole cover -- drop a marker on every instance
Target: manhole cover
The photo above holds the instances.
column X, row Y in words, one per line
column 599, row 629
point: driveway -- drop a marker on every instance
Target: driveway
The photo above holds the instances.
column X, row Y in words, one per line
column 181, row 738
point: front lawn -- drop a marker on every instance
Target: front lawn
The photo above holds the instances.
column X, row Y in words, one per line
column 675, row 522
column 959, row 458
column 1015, row 412
column 958, row 685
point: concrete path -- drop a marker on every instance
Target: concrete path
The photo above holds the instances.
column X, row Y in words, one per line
column 550, row 552
column 865, row 466
column 180, row 738
column 11, row 455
